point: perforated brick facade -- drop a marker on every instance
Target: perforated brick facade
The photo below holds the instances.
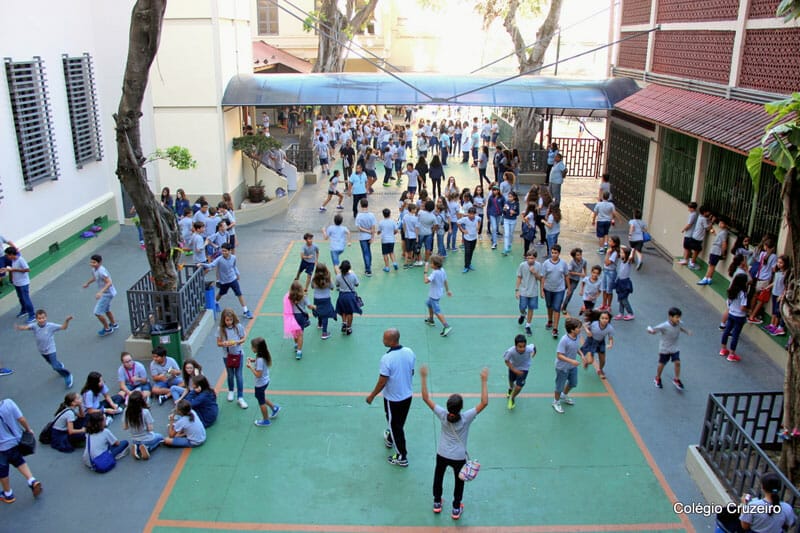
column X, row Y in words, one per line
column 702, row 55
column 760, row 9
column 771, row 60
column 697, row 10
column 635, row 12
column 633, row 52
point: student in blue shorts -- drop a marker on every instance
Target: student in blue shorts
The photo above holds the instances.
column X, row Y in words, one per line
column 438, row 286
column 568, row 359
column 309, row 255
column 106, row 293
column 44, row 332
column 527, row 289
column 339, row 236
column 228, row 275
column 518, row 360
column 668, row 346
column 387, row 228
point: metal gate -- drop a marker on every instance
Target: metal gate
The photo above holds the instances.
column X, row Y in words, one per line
column 627, row 166
column 583, row 157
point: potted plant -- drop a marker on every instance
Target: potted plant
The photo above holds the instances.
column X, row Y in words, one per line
column 255, row 148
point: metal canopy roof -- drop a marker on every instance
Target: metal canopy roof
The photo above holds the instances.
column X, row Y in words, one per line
column 560, row 96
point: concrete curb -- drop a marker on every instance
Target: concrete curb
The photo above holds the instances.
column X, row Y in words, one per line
column 140, row 349
column 705, row 478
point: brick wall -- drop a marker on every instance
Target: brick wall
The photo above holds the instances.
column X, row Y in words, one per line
column 771, row 60
column 633, row 52
column 697, row 10
column 703, row 55
column 635, row 12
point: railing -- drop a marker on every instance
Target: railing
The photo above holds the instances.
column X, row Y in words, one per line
column 184, row 306
column 737, row 428
column 302, row 158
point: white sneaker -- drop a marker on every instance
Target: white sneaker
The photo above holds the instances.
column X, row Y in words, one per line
column 230, row 396
column 557, row 407
column 242, row 403
column 567, row 400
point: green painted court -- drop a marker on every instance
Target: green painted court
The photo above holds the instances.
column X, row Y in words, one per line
column 322, row 465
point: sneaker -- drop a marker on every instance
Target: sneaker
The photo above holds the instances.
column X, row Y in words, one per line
column 693, row 266
column 387, row 185
column 778, row 331
column 36, row 487
column 557, row 407
column 769, row 328
column 418, row 263
column 618, row 317
column 733, row 358
column 657, row 383
column 521, row 319
column 437, row 507
column 321, row 209
column 161, row 399
column 69, row 380
column 511, row 404
column 242, row 403
column 387, row 438
column 6, row 372
column 248, row 314
column 678, row 384
column 704, row 281
column 340, row 207
column 567, row 399
column 471, row 268
column 298, row 355
column 548, row 325
column 8, row 498
column 394, row 265
column 555, row 333
column 754, row 320
column 275, row 410
column 722, row 326
column 230, row 396
column 115, row 327
column 135, row 451
column 397, row 460
column 465, row 271
column 601, row 374
column 456, row 513
column 349, row 331
column 639, row 264
column 628, row 317
column 683, row 262
column 430, row 322
column 325, row 336
column 368, row 274
column 104, row 332
column 119, row 456
column 494, row 246
column 508, row 393
column 262, row 423
column 144, row 453
column 724, row 352
column 22, row 314
column 528, row 331
column 386, row 269
column 446, row 331
column 109, row 420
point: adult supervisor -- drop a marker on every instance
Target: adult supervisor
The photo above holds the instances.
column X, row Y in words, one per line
column 357, row 184
column 396, row 374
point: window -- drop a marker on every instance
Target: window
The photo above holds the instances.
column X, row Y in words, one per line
column 267, row 17
column 27, row 89
column 678, row 156
column 82, row 100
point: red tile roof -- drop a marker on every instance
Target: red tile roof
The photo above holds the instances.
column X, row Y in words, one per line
column 268, row 57
column 732, row 124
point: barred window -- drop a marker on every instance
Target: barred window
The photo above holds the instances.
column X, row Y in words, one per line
column 83, row 116
column 678, row 154
column 30, row 106
column 267, row 17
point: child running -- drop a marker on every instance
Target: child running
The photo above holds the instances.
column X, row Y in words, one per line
column 577, row 271
column 668, row 346
column 527, row 289
column 333, row 190
column 567, row 363
column 347, row 302
column 309, row 255
column 106, row 293
column 295, row 316
column 387, row 228
column 340, row 238
column 322, row 284
column 590, row 289
column 259, row 366
column 518, row 360
column 438, row 286
column 598, row 330
column 45, row 332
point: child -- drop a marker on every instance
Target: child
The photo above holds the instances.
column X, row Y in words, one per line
column 737, row 316
column 518, row 360
column 309, row 255
column 140, row 423
column 577, row 271
column 228, row 277
column 96, row 399
column 623, row 285
column 738, row 266
column 67, row 431
column 687, row 231
column 410, row 223
column 333, row 190
column 527, row 289
column 636, row 229
column 762, row 269
column 452, row 210
column 598, row 328
column 555, row 279
column 340, row 238
column 103, row 296
column 778, row 287
column 347, row 302
column 132, row 376
column 165, row 373
column 196, row 245
column 295, row 316
column 388, row 165
column 438, row 282
column 230, row 338
column 413, row 179
column 699, row 235
column 510, row 213
column 387, row 229
column 468, row 226
column 259, row 366
column 219, row 238
column 567, row 363
column 44, row 333
column 442, row 226
column 610, row 273
column 604, row 214
column 668, row 346
column 203, row 400
column 185, row 226
column 225, row 210
column 591, row 289
column 99, row 439
column 452, row 449
column 185, row 428
column 19, row 273
column 323, row 309
column 719, row 249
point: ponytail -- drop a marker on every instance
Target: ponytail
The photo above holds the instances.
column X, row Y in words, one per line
column 454, row 405
column 453, row 417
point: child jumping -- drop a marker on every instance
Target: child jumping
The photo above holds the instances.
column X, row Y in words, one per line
column 668, row 346
column 518, row 360
column 106, row 293
column 259, row 366
column 45, row 332
column 438, row 286
column 309, row 255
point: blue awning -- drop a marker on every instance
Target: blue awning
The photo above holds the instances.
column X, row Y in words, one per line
column 558, row 96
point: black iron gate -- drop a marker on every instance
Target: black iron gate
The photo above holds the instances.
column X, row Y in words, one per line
column 627, row 166
column 583, row 157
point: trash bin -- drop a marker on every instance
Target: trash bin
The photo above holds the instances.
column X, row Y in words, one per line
column 168, row 335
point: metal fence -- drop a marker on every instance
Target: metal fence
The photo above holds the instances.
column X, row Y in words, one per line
column 737, row 428
column 302, row 158
column 146, row 305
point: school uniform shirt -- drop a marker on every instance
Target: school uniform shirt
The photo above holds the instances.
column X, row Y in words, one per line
column 770, row 523
column 636, row 229
column 669, row 336
column 197, row 245
column 100, row 276
column 454, row 435
column 426, row 221
column 261, row 366
column 10, row 431
column 386, row 228
column 347, row 283
column 20, row 279
column 333, row 184
column 410, row 223
column 63, row 418
column 310, row 251
column 716, row 246
column 337, row 236
column 700, row 228
column 413, row 177
column 505, row 188
column 735, row 305
column 397, row 364
column 470, row 227
column 591, row 289
column 227, row 270
column 554, row 228
column 765, row 272
column 207, row 220
column 359, row 182
column 604, row 210
column 778, row 283
column 185, row 225
column 437, row 277
column 612, row 261
column 600, row 334
column 557, row 173
column 126, row 376
column 45, row 342
column 529, row 285
column 520, row 361
column 193, row 429
column 142, row 434
column 92, row 400
column 169, row 364
column 623, row 270
column 553, row 274
column 576, row 270
column 568, row 347
column 365, row 221
column 98, row 443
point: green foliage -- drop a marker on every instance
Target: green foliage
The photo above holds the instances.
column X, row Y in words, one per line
column 312, row 20
column 781, row 142
column 255, row 147
column 177, row 157
column 789, row 10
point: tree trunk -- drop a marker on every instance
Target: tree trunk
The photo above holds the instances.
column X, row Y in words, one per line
column 790, row 311
column 158, row 223
column 336, row 30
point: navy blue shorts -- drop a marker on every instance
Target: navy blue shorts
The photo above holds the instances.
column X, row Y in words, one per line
column 713, row 259
column 387, row 248
column 603, row 227
column 306, row 267
column 518, row 380
column 664, row 358
column 261, row 394
column 223, row 288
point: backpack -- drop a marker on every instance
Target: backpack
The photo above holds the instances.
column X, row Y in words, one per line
column 105, row 462
column 46, row 435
